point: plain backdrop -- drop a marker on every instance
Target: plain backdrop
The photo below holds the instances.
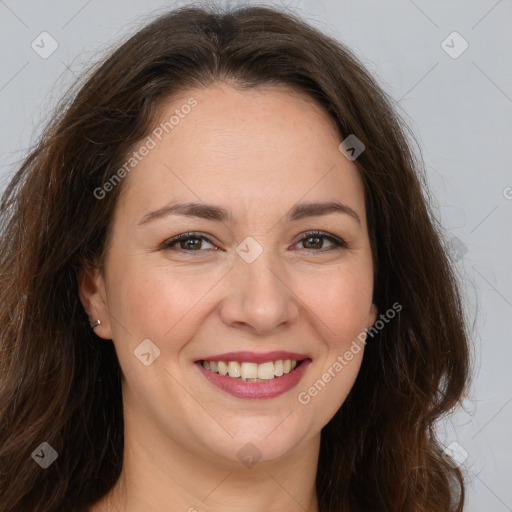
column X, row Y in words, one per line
column 455, row 92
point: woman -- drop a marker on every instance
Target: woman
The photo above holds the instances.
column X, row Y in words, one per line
column 212, row 233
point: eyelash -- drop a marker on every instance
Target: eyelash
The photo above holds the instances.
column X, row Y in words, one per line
column 338, row 242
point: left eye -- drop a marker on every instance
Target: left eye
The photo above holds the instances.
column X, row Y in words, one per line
column 192, row 242
column 315, row 238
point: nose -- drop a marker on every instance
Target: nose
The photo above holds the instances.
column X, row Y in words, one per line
column 258, row 297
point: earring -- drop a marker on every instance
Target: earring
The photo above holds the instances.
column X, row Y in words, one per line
column 95, row 324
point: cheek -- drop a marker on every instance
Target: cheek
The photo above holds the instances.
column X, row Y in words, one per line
column 342, row 310
column 151, row 305
column 329, row 387
column 342, row 313
column 341, row 301
column 160, row 303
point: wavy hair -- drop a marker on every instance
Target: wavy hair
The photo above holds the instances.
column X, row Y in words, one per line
column 59, row 385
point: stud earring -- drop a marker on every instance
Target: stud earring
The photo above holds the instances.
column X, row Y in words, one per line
column 95, row 324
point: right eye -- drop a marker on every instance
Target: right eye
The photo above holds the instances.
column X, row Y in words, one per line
column 189, row 242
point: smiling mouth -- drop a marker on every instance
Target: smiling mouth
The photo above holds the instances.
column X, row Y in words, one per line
column 252, row 372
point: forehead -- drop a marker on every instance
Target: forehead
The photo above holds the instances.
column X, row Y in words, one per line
column 264, row 144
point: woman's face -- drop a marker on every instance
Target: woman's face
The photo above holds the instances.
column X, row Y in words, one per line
column 250, row 285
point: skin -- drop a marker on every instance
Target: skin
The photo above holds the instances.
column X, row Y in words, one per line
column 256, row 153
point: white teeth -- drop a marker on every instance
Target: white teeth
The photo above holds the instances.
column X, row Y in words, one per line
column 266, row 371
column 223, row 367
column 278, row 368
column 234, row 369
column 249, row 370
column 252, row 372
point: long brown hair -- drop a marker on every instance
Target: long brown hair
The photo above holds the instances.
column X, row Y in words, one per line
column 60, row 385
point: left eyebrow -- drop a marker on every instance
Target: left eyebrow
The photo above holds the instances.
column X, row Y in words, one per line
column 218, row 213
column 316, row 209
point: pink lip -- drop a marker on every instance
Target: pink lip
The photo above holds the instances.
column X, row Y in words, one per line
column 254, row 357
column 256, row 390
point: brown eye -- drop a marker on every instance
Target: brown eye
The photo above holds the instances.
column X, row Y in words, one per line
column 189, row 242
column 315, row 240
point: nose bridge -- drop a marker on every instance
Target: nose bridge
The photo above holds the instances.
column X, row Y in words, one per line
column 258, row 296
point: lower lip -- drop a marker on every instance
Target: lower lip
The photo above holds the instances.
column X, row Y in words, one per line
column 256, row 390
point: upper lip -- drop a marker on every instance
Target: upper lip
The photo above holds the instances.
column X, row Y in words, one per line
column 256, row 357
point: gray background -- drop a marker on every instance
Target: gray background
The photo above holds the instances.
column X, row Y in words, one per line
column 459, row 108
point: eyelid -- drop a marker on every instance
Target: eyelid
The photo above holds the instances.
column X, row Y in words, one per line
column 338, row 242
column 183, row 236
